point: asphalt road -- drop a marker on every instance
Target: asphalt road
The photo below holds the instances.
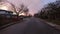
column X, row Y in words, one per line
column 30, row 26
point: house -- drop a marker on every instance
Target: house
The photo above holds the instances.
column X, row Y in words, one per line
column 4, row 13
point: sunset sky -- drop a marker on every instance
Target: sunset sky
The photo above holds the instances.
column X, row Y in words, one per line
column 33, row 5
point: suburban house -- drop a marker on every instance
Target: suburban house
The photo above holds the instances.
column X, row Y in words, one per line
column 4, row 13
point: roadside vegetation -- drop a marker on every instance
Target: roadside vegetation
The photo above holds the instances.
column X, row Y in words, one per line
column 51, row 12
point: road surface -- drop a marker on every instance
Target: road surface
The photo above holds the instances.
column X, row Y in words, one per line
column 30, row 26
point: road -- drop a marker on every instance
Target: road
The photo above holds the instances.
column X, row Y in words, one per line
column 30, row 26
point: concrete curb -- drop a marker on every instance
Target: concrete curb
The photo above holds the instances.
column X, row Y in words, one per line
column 54, row 25
column 51, row 24
column 2, row 27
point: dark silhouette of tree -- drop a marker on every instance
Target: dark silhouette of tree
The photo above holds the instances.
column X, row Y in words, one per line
column 50, row 11
column 22, row 9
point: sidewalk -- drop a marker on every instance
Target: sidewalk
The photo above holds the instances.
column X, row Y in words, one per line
column 51, row 24
column 54, row 25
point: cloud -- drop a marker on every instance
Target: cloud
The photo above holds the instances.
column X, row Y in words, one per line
column 33, row 5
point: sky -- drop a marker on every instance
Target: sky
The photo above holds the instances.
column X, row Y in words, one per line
column 33, row 5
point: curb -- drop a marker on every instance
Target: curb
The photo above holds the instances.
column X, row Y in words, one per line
column 4, row 26
column 51, row 24
column 54, row 25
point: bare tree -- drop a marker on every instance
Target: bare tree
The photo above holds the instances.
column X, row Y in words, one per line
column 22, row 9
column 25, row 10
